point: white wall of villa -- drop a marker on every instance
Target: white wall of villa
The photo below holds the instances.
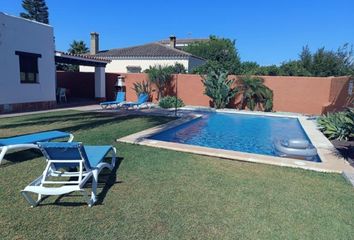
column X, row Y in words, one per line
column 25, row 36
column 121, row 65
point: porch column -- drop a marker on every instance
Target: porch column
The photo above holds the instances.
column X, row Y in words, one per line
column 100, row 83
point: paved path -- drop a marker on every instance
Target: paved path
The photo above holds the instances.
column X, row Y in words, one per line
column 97, row 108
column 94, row 107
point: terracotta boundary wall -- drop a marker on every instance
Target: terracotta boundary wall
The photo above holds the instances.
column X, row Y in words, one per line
column 307, row 95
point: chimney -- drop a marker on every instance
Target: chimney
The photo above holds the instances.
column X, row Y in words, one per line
column 173, row 41
column 94, row 43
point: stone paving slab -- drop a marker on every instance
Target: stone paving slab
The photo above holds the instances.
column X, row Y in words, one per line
column 349, row 176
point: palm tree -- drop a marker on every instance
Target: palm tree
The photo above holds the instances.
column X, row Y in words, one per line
column 78, row 47
column 255, row 95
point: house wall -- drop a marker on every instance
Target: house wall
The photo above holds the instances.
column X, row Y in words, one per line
column 194, row 62
column 120, row 65
column 306, row 95
column 17, row 34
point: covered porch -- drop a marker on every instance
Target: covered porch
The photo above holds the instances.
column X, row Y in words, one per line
column 80, row 92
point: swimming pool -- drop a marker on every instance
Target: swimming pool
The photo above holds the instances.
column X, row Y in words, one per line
column 237, row 132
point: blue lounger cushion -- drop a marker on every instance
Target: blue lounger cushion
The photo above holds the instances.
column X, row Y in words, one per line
column 120, row 98
column 143, row 98
column 93, row 155
column 33, row 138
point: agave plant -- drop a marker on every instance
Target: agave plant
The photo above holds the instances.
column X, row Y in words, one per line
column 255, row 95
column 219, row 88
column 339, row 126
column 142, row 87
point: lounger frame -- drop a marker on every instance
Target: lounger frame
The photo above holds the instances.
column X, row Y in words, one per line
column 83, row 175
column 5, row 149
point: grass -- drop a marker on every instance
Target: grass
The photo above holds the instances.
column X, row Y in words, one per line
column 162, row 194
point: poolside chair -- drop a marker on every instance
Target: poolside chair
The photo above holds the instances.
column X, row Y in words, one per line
column 84, row 162
column 29, row 141
column 61, row 95
column 120, row 99
column 142, row 100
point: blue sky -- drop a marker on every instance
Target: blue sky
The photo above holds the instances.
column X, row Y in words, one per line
column 266, row 31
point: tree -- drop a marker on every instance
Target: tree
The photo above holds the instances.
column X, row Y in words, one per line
column 178, row 68
column 249, row 68
column 220, row 53
column 78, row 47
column 161, row 76
column 35, row 10
column 322, row 63
column 219, row 88
column 306, row 58
column 255, row 95
column 272, row 70
column 294, row 68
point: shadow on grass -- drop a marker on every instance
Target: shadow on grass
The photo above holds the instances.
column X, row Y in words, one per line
column 25, row 155
column 105, row 181
column 59, row 119
column 21, row 156
column 89, row 123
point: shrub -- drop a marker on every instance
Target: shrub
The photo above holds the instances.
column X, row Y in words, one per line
column 219, row 88
column 178, row 68
column 255, row 95
column 161, row 76
column 142, row 87
column 339, row 126
column 170, row 102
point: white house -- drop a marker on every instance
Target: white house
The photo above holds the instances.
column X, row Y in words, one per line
column 26, row 64
column 140, row 58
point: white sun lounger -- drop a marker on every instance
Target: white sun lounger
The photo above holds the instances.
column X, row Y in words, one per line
column 29, row 141
column 87, row 162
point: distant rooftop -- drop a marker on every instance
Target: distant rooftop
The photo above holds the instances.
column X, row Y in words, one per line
column 147, row 50
column 185, row 41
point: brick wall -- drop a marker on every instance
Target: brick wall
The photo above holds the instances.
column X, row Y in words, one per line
column 309, row 95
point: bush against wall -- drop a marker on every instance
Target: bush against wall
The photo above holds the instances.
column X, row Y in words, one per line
column 219, row 88
column 161, row 77
column 339, row 125
column 171, row 102
column 254, row 94
column 142, row 88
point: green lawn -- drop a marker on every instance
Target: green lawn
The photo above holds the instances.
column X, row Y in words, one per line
column 161, row 194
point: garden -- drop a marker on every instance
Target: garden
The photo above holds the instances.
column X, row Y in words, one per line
column 160, row 194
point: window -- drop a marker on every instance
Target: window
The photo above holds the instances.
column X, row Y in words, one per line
column 28, row 66
column 133, row 69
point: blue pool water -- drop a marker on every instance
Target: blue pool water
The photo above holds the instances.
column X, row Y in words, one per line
column 238, row 132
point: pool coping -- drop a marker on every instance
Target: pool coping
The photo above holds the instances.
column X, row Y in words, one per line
column 331, row 159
